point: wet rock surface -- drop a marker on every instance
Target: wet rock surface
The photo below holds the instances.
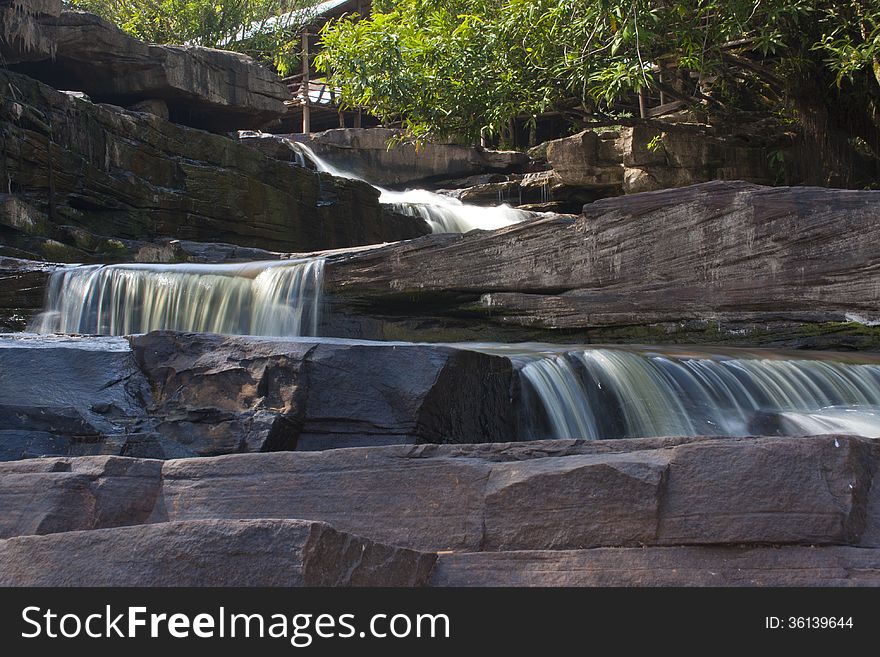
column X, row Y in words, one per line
column 379, row 156
column 166, row 395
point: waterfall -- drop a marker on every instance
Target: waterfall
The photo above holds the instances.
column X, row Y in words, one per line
column 617, row 393
column 443, row 214
column 280, row 298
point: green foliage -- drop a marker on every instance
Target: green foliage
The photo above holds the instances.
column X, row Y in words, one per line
column 656, row 144
column 456, row 68
column 211, row 23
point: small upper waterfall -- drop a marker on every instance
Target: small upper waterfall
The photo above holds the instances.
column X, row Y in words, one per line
column 618, row 393
column 280, row 298
column 443, row 214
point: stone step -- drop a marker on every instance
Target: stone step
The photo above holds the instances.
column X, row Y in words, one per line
column 545, row 495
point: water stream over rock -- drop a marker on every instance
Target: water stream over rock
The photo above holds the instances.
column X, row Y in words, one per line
column 619, row 393
column 257, row 298
column 443, row 214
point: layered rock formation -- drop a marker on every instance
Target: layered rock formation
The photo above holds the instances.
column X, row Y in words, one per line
column 91, row 178
column 629, row 512
column 201, row 87
column 164, row 395
column 718, row 262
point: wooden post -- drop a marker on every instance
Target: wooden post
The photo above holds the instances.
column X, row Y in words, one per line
column 662, row 94
column 307, row 119
column 643, row 103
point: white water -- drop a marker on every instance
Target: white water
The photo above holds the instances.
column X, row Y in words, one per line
column 443, row 214
column 611, row 393
column 280, row 298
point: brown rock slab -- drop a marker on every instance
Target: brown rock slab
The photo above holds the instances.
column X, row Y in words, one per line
column 770, row 491
column 710, row 254
column 760, row 491
column 210, row 553
column 46, row 496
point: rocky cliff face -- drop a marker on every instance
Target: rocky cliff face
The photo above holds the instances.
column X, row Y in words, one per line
column 200, row 87
column 629, row 512
column 89, row 178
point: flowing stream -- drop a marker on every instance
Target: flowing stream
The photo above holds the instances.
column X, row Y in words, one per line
column 621, row 393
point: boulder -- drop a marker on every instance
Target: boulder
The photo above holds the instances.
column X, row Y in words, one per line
column 200, row 87
column 167, row 395
column 210, row 553
column 671, row 566
column 719, row 262
column 91, row 179
column 587, row 159
column 227, row 394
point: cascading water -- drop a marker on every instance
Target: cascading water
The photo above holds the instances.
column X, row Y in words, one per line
column 280, row 298
column 615, row 393
column 443, row 214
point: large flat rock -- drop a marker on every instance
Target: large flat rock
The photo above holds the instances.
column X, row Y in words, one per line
column 720, row 261
column 90, row 179
column 544, row 495
column 802, row 491
column 201, row 87
column 671, row 566
column 210, row 553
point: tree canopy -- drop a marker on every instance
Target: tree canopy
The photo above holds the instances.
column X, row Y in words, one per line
column 454, row 68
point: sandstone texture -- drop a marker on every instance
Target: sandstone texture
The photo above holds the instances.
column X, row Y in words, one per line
column 719, row 261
